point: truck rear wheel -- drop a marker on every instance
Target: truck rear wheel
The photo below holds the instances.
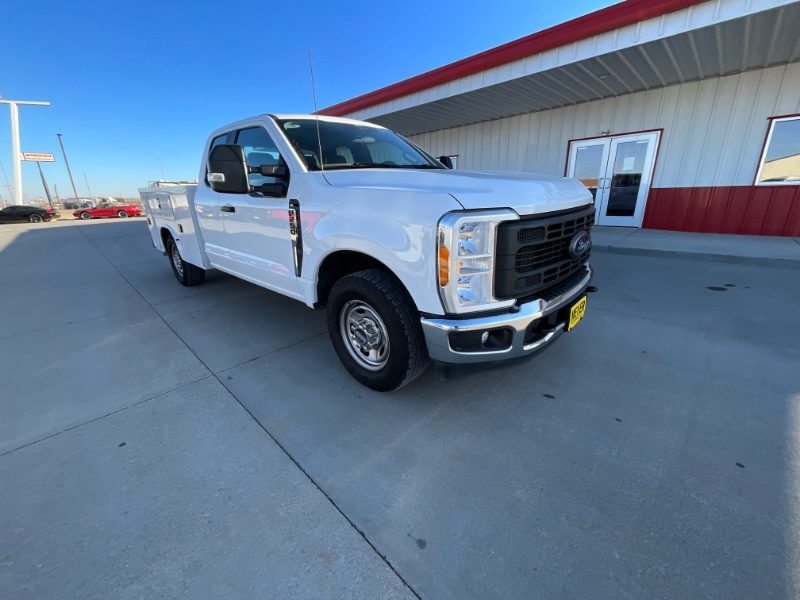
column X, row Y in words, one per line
column 375, row 330
column 187, row 273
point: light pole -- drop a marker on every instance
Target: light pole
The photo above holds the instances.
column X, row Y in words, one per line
column 66, row 162
column 15, row 151
column 159, row 165
column 44, row 184
column 91, row 198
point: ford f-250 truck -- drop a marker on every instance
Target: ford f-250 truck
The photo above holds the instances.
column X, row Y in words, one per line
column 412, row 260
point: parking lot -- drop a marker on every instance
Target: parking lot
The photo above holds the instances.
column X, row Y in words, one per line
column 205, row 443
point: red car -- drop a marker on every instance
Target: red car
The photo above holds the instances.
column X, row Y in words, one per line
column 108, row 209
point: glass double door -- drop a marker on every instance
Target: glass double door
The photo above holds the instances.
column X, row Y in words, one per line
column 618, row 171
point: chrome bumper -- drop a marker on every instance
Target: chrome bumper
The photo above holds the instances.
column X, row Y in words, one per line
column 437, row 330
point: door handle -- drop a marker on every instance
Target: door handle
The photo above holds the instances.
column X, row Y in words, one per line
column 227, row 208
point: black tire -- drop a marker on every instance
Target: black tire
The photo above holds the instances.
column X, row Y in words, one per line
column 122, row 214
column 380, row 295
column 187, row 273
column 35, row 218
column 85, row 215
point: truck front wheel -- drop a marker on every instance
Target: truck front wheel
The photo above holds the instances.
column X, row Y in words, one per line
column 187, row 273
column 375, row 330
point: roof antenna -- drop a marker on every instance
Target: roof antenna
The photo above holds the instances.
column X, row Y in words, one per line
column 316, row 114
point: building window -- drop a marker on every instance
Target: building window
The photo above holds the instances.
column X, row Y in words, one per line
column 780, row 163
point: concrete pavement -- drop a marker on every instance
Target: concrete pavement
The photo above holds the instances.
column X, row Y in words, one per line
column 127, row 469
column 206, row 443
column 740, row 249
column 169, row 499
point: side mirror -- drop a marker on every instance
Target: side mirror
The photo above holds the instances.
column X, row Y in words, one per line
column 445, row 160
column 227, row 171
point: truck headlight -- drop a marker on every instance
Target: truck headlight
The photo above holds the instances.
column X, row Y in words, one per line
column 466, row 259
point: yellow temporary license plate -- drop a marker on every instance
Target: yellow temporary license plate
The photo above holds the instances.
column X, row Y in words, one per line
column 576, row 313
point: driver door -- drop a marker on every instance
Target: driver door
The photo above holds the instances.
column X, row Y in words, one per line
column 257, row 238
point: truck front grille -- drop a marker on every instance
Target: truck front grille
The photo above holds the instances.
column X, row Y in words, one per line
column 533, row 254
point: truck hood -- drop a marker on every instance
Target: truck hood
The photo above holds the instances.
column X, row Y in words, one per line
column 526, row 193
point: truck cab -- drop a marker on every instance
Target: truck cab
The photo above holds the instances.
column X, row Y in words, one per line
column 413, row 261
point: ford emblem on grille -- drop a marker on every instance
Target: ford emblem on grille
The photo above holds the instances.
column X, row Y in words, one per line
column 580, row 243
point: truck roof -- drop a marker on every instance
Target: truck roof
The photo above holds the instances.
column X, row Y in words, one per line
column 289, row 117
column 323, row 118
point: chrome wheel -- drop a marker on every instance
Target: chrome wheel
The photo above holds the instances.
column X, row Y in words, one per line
column 122, row 214
column 177, row 261
column 36, row 219
column 364, row 335
column 85, row 215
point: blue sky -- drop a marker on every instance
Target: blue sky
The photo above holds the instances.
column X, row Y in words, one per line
column 127, row 78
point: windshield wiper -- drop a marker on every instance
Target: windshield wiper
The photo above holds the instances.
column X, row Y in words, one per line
column 373, row 165
column 357, row 166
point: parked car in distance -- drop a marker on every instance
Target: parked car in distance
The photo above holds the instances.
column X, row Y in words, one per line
column 108, row 209
column 27, row 214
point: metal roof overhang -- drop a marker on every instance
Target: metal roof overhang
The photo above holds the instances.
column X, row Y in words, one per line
column 731, row 45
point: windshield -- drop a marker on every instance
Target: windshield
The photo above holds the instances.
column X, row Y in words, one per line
column 350, row 146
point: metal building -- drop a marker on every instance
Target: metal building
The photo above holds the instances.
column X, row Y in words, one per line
column 677, row 114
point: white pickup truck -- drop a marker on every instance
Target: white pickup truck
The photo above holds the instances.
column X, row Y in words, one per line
column 413, row 261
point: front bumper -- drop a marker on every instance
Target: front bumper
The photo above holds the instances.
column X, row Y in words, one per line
column 437, row 330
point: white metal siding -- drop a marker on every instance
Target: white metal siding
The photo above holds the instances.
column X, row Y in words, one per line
column 713, row 129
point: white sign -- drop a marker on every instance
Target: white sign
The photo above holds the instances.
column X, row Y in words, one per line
column 38, row 157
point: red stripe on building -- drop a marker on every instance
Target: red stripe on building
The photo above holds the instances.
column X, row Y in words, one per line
column 750, row 210
column 596, row 23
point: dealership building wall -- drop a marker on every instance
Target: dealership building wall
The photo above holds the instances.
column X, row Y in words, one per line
column 700, row 84
column 713, row 134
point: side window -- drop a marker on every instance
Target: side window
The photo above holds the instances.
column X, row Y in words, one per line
column 220, row 139
column 259, row 149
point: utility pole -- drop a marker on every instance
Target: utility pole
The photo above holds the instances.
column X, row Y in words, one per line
column 55, row 189
column 44, row 183
column 66, row 162
column 15, row 151
column 91, row 198
column 159, row 165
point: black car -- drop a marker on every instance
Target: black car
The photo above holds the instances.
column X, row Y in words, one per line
column 27, row 214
